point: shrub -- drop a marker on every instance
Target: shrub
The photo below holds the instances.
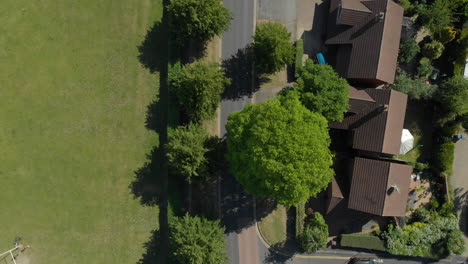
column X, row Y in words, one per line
column 419, row 239
column 315, row 234
column 362, row 241
column 272, row 47
column 424, row 68
column 446, row 35
column 434, row 203
column 299, row 55
column 443, row 160
column 300, row 219
column 421, row 215
column 415, row 89
column 408, row 50
column 447, row 209
column 433, row 50
column 408, row 7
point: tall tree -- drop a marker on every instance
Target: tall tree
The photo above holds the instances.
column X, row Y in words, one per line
column 186, row 151
column 315, row 234
column 437, row 15
column 196, row 240
column 453, row 97
column 280, row 149
column 415, row 89
column 198, row 87
column 200, row 20
column 323, row 91
column 272, row 47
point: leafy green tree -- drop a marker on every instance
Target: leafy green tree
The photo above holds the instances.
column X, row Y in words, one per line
column 323, row 91
column 408, row 7
column 280, row 149
column 196, row 240
column 433, row 50
column 186, row 150
column 455, row 242
column 423, row 239
column 408, row 50
column 437, row 16
column 452, row 97
column 315, row 234
column 424, row 68
column 415, row 89
column 199, row 20
column 198, row 87
column 272, row 47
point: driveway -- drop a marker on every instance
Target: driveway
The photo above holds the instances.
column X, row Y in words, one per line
column 459, row 181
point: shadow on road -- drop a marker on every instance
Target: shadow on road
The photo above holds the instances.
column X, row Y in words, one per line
column 245, row 81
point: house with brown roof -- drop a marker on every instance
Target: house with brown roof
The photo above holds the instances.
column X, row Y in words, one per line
column 379, row 187
column 374, row 124
column 365, row 38
column 375, row 120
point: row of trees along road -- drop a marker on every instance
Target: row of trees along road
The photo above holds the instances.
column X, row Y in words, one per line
column 191, row 153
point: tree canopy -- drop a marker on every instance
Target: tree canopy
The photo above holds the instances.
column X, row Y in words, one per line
column 198, row 87
column 323, row 91
column 315, row 234
column 437, row 15
column 272, row 47
column 280, row 149
column 408, row 50
column 186, row 150
column 452, row 97
column 200, row 20
column 415, row 89
column 196, row 240
column 437, row 238
column 433, row 50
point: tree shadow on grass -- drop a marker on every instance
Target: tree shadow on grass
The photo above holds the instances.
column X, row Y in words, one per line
column 151, row 50
column 152, row 249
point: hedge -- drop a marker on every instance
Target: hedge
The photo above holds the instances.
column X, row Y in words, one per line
column 299, row 55
column 443, row 158
column 300, row 219
column 362, row 241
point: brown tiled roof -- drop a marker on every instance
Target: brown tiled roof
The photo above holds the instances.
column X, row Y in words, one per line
column 379, row 187
column 335, row 196
column 371, row 40
column 376, row 126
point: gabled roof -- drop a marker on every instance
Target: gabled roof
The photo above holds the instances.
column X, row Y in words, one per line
column 376, row 124
column 335, row 196
column 379, row 187
column 368, row 33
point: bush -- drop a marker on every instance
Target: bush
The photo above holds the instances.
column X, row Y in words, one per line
column 446, row 35
column 433, row 50
column 408, row 50
column 415, row 89
column 299, row 55
column 300, row 219
column 272, row 48
column 315, row 234
column 420, row 239
column 421, row 215
column 434, row 203
column 443, row 160
column 447, row 209
column 362, row 241
column 424, row 68
column 408, row 7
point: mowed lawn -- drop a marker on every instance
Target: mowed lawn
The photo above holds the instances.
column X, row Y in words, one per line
column 73, row 99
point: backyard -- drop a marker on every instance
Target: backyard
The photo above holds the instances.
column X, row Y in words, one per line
column 73, row 107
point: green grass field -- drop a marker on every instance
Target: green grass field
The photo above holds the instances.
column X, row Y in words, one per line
column 73, row 99
column 273, row 226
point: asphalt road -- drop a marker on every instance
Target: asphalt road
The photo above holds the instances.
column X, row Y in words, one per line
column 236, row 38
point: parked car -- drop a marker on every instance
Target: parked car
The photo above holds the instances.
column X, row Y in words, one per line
column 365, row 261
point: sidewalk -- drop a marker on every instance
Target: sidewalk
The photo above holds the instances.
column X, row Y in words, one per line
column 459, row 181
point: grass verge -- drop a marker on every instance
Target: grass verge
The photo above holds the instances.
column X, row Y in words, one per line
column 273, row 226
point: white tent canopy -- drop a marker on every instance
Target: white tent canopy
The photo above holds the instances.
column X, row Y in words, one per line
column 407, row 141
